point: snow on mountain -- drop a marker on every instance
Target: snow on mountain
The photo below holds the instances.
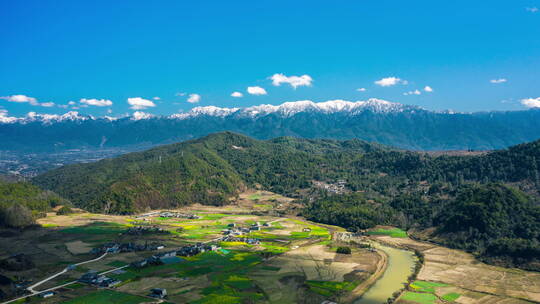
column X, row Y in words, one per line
column 286, row 109
column 209, row 110
column 44, row 118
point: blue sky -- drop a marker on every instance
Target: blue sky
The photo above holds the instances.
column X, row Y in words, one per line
column 109, row 51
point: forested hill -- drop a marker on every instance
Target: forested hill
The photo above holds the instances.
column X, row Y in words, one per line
column 475, row 202
column 213, row 169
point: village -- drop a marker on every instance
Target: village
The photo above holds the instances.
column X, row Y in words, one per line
column 169, row 255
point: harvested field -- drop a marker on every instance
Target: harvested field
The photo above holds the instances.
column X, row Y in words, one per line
column 476, row 281
column 78, row 247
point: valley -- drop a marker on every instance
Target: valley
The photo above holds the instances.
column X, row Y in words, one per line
column 230, row 219
column 285, row 259
column 269, row 152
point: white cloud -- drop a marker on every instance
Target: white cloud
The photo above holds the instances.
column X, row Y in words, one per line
column 21, row 98
column 156, row 98
column 428, row 89
column 390, row 81
column 415, row 92
column 138, row 115
column 531, row 9
column 361, row 89
column 63, row 106
column 180, row 94
column 500, row 80
column 47, row 104
column 138, row 103
column 237, row 94
column 531, row 102
column 71, row 103
column 96, row 102
column 194, row 98
column 256, row 91
column 109, row 111
column 294, row 81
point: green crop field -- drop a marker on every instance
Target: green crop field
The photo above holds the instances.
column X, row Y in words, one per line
column 451, row 297
column 423, row 286
column 108, row 296
column 328, row 289
column 97, row 228
column 421, row 298
column 394, row 232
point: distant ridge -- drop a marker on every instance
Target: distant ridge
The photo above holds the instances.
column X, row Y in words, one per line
column 374, row 120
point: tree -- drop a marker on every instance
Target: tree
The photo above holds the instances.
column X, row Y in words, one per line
column 17, row 216
column 344, row 250
column 64, row 210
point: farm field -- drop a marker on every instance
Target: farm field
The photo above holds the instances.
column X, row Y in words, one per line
column 294, row 259
column 454, row 276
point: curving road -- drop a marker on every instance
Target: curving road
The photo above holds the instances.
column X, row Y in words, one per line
column 34, row 292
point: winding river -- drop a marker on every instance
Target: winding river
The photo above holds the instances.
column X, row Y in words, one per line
column 400, row 266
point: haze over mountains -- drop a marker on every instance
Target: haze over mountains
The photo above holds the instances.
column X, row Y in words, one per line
column 375, row 120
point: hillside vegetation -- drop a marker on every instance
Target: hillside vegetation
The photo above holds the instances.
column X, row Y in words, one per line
column 466, row 197
column 21, row 203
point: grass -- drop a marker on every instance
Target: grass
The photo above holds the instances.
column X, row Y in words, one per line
column 232, row 244
column 263, row 206
column 394, row 232
column 328, row 288
column 227, row 274
column 117, row 264
column 423, row 286
column 49, row 225
column 197, row 232
column 270, row 247
column 97, row 228
column 255, row 196
column 421, row 298
column 107, row 296
column 213, row 216
column 76, row 286
column 126, row 276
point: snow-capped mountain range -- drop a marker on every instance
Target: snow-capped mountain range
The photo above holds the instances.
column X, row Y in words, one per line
column 375, row 120
column 286, row 109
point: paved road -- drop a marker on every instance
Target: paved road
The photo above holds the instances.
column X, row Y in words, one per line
column 34, row 292
column 31, row 288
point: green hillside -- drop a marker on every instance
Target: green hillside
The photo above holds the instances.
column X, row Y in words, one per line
column 213, row 169
column 476, row 202
column 167, row 176
column 21, row 203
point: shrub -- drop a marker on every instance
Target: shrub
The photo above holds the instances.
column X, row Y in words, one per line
column 344, row 250
column 64, row 210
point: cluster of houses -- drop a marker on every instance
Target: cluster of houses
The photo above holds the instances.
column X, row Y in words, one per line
column 93, row 278
column 338, row 187
column 233, row 230
column 172, row 256
column 126, row 247
column 158, row 259
column 140, row 230
column 251, row 241
column 189, row 216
